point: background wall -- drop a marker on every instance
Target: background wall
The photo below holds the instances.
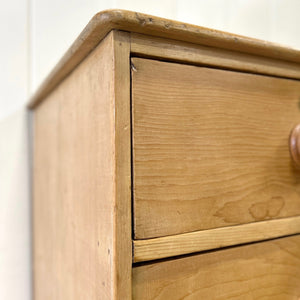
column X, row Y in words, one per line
column 34, row 35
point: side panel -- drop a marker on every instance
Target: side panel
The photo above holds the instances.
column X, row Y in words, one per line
column 76, row 191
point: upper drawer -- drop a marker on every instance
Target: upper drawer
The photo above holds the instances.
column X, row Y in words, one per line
column 210, row 148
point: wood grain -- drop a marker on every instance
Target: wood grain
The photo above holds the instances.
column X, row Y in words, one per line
column 102, row 23
column 268, row 270
column 81, row 166
column 122, row 205
column 172, row 50
column 186, row 243
column 210, row 148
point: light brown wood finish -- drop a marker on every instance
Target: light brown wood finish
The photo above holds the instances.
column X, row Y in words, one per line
column 267, row 270
column 172, row 50
column 210, row 148
column 102, row 23
column 81, row 172
column 122, row 204
column 186, row 243
column 211, row 165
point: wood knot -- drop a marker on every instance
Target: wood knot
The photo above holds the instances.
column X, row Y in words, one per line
column 268, row 209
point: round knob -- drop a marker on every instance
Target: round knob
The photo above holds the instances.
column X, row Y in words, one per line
column 295, row 145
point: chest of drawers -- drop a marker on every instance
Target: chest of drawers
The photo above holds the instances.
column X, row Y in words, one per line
column 162, row 165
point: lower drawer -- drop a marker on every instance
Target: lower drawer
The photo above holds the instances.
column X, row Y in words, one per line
column 266, row 270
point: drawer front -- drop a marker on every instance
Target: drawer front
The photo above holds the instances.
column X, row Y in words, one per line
column 210, row 148
column 268, row 270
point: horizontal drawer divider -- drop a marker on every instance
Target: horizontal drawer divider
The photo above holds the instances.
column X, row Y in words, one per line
column 180, row 244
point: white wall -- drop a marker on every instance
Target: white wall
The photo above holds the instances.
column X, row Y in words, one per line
column 14, row 186
column 34, row 35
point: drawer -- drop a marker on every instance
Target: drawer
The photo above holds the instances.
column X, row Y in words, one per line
column 267, row 270
column 210, row 148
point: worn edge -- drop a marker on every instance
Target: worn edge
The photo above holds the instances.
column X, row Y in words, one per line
column 180, row 244
column 103, row 22
column 182, row 52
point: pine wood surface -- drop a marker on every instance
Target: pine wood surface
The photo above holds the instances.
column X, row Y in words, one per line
column 122, row 229
column 103, row 22
column 210, row 148
column 187, row 243
column 267, row 270
column 178, row 51
column 82, row 231
column 202, row 134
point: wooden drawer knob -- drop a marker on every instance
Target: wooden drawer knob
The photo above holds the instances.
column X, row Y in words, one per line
column 295, row 145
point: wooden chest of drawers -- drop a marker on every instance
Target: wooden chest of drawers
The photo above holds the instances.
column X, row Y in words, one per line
column 162, row 166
